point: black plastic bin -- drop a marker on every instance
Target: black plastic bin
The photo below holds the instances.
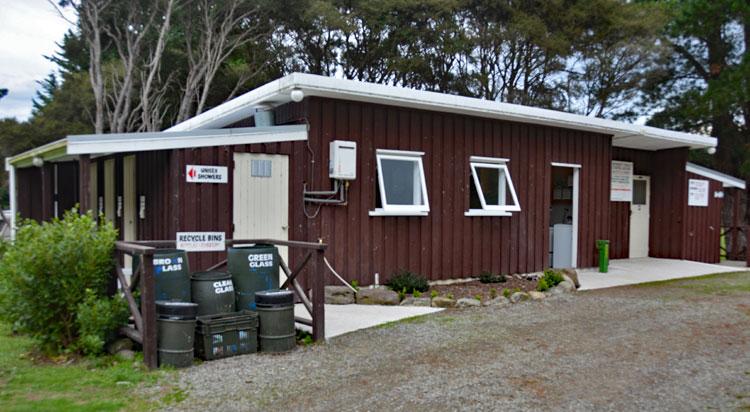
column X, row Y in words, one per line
column 225, row 335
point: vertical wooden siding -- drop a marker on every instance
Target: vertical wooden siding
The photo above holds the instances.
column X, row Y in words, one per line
column 668, row 204
column 703, row 226
column 447, row 244
column 620, row 211
column 677, row 231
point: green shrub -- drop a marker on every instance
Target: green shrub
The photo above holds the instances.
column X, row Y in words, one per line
column 549, row 280
column 98, row 319
column 507, row 292
column 408, row 281
column 402, row 294
column 417, row 294
column 45, row 273
column 489, row 277
column 434, row 294
column 355, row 284
column 542, row 286
column 493, row 293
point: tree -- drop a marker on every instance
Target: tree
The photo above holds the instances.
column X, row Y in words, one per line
column 3, row 92
column 704, row 88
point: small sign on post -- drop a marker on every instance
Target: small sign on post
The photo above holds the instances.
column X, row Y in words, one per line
column 206, row 174
column 201, row 241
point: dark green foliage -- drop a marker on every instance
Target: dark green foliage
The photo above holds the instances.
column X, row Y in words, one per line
column 45, row 275
column 489, row 277
column 98, row 319
column 408, row 282
column 549, row 280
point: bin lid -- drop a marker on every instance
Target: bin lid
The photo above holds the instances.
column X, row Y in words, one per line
column 212, row 275
column 274, row 297
column 176, row 309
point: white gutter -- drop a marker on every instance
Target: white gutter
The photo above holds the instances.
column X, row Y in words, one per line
column 12, row 195
column 167, row 140
column 725, row 179
column 278, row 92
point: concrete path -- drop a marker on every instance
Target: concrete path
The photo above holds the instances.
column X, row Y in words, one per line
column 643, row 270
column 341, row 319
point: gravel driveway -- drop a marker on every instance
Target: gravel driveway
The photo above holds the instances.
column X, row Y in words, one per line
column 683, row 345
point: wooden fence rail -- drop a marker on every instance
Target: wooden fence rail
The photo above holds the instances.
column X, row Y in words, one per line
column 143, row 330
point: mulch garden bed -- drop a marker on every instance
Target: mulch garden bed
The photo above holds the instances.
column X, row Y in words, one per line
column 474, row 288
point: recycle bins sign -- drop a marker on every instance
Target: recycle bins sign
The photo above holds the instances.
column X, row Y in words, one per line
column 253, row 269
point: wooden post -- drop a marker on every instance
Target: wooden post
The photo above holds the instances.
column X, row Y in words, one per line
column 317, row 280
column 84, row 178
column 736, row 226
column 148, row 311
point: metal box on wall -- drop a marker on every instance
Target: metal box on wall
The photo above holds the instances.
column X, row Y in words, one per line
column 342, row 160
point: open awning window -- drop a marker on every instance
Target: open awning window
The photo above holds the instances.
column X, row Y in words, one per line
column 491, row 188
column 401, row 184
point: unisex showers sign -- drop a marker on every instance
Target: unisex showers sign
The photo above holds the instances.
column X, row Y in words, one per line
column 201, row 241
column 206, row 174
column 622, row 182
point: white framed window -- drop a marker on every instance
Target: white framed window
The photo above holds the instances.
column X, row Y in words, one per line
column 491, row 188
column 402, row 188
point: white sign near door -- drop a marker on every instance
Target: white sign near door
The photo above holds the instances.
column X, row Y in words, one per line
column 621, row 186
column 206, row 174
column 698, row 192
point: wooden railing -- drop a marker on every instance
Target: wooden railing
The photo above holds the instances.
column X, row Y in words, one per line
column 143, row 329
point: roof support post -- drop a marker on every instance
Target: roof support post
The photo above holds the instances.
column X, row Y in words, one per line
column 84, row 179
column 12, row 194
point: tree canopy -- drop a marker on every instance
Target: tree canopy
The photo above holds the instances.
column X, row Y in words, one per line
column 144, row 65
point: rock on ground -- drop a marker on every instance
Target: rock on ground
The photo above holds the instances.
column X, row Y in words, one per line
column 572, row 276
column 518, row 297
column 377, row 296
column 119, row 345
column 497, row 301
column 535, row 295
column 412, row 301
column 468, row 302
column 566, row 286
column 339, row 295
column 443, row 302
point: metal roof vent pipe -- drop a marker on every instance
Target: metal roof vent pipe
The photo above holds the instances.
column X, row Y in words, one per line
column 264, row 117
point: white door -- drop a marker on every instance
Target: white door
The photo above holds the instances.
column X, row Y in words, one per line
column 261, row 198
column 639, row 216
column 128, row 202
column 109, row 190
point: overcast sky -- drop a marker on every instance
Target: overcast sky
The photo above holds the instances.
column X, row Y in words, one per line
column 29, row 30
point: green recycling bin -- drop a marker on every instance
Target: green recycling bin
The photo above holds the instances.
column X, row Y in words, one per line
column 171, row 275
column 603, row 246
column 253, row 268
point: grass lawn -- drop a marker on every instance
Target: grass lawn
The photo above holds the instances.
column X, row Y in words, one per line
column 104, row 384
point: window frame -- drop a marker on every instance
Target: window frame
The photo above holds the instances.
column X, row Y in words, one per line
column 501, row 164
column 400, row 210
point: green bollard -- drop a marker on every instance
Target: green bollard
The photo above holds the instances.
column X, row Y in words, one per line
column 603, row 246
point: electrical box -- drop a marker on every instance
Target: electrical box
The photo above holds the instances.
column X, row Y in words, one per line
column 342, row 162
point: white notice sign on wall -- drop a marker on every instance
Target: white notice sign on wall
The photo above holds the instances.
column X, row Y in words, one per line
column 698, row 192
column 621, row 186
column 205, row 174
column 201, row 241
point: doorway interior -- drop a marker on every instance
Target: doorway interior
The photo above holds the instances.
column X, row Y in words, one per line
column 563, row 226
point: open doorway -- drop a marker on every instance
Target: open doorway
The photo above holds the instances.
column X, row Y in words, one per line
column 563, row 229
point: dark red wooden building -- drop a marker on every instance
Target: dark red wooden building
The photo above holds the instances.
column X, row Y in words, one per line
column 393, row 179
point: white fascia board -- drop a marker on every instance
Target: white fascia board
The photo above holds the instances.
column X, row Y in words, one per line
column 142, row 142
column 278, row 92
column 726, row 180
column 47, row 152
